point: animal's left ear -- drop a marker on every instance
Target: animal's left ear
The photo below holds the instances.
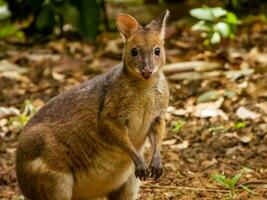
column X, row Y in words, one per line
column 159, row 23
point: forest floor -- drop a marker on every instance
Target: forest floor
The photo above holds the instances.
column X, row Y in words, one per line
column 216, row 122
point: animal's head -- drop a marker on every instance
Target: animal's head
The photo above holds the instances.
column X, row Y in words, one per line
column 144, row 52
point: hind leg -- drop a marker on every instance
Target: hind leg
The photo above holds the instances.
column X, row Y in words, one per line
column 61, row 189
column 49, row 188
column 41, row 183
column 128, row 191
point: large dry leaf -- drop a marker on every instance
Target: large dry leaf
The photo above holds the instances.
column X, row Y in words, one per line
column 244, row 113
column 210, row 109
column 12, row 71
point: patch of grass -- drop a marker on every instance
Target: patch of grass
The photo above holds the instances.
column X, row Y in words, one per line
column 230, row 184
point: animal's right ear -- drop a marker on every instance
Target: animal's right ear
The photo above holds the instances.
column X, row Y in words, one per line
column 127, row 25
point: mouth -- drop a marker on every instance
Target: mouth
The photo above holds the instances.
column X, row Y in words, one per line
column 146, row 74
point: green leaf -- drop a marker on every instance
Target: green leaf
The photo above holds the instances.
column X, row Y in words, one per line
column 177, row 127
column 218, row 12
column 23, row 119
column 221, row 179
column 223, row 29
column 216, row 38
column 2, row 2
column 206, row 42
column 202, row 13
column 7, row 29
column 207, row 13
column 202, row 26
column 228, row 182
column 4, row 12
column 231, row 18
column 235, row 180
column 29, row 109
column 240, row 125
column 247, row 189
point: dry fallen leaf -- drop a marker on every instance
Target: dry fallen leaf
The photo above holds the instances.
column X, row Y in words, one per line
column 262, row 106
column 210, row 109
column 246, row 138
column 243, row 113
column 256, row 57
column 42, row 57
column 257, row 89
column 8, row 112
column 169, row 142
column 183, row 145
column 12, row 71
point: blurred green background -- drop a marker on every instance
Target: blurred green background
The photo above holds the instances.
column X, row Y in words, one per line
column 87, row 19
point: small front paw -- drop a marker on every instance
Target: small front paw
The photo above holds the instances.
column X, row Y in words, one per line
column 141, row 172
column 155, row 171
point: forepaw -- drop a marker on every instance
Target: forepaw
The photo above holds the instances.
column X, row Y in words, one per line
column 155, row 172
column 142, row 173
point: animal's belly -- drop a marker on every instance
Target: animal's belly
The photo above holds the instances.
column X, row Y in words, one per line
column 111, row 171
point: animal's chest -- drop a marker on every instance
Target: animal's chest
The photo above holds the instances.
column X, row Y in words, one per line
column 141, row 114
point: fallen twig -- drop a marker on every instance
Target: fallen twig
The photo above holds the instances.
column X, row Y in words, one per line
column 257, row 184
column 232, row 74
column 191, row 65
column 185, row 188
column 194, row 75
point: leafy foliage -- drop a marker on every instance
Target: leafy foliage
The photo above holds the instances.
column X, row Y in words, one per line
column 21, row 119
column 83, row 15
column 215, row 23
column 231, row 184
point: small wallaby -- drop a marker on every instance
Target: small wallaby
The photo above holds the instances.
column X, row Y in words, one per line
column 87, row 142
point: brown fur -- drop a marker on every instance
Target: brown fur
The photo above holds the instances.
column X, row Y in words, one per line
column 88, row 142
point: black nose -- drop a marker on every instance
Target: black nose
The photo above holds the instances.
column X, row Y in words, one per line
column 146, row 73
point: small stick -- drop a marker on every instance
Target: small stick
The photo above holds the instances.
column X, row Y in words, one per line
column 191, row 65
column 185, row 188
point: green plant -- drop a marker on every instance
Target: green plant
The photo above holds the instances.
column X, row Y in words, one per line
column 7, row 27
column 215, row 23
column 239, row 125
column 21, row 119
column 231, row 184
column 177, row 126
column 46, row 15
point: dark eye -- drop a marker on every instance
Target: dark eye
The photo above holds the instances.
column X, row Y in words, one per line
column 134, row 52
column 157, row 51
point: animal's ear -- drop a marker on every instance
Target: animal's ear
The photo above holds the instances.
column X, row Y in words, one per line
column 127, row 25
column 159, row 23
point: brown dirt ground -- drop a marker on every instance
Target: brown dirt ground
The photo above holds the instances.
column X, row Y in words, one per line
column 202, row 147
